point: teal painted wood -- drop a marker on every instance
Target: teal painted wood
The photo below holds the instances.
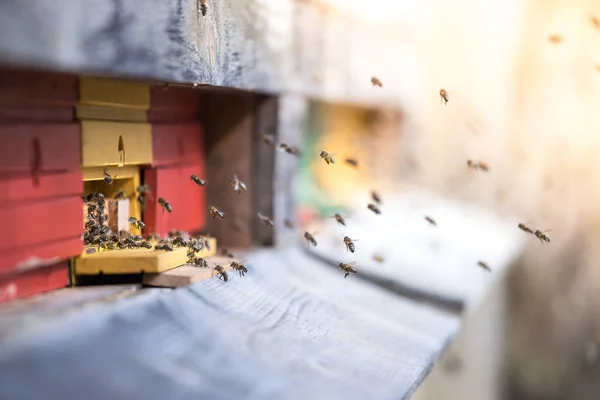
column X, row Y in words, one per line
column 293, row 328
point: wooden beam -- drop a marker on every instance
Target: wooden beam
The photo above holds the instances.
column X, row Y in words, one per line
column 229, row 120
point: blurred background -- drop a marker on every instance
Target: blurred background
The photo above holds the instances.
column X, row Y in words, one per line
column 523, row 79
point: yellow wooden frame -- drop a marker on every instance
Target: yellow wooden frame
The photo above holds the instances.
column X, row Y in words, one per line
column 95, row 91
column 110, row 113
column 135, row 261
column 115, row 143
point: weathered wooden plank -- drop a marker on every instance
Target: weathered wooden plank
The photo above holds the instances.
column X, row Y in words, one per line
column 439, row 261
column 289, row 322
column 163, row 40
column 187, row 274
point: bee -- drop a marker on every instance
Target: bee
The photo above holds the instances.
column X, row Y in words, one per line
column 120, row 195
column 175, row 232
column 136, row 223
column 350, row 244
column 142, row 200
column 555, row 39
column 179, row 241
column 595, row 21
column 239, row 267
column 221, row 273
column 376, row 82
column 268, row 139
column 265, row 220
column 227, row 253
column 444, row 96
column 197, row 180
column 215, row 212
column 339, row 219
column 430, row 220
column 327, row 157
column 238, row 185
column 143, row 189
column 107, row 245
column 351, row 162
column 199, row 262
column 597, row 67
column 163, row 245
column 195, row 245
column 288, row 224
column 154, row 236
column 90, row 250
column 378, row 258
column 107, row 178
column 347, row 268
column 484, row 266
column 376, row 197
column 310, row 239
column 542, row 235
column 191, row 254
column 477, row 165
column 374, row 208
column 203, row 7
column 293, row 150
column 91, row 207
column 146, row 244
column 165, row 205
column 525, row 228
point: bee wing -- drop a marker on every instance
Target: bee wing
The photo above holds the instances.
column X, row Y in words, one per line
column 352, row 263
column 243, row 185
column 547, row 230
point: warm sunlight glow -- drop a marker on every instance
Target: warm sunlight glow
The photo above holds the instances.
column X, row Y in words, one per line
column 378, row 10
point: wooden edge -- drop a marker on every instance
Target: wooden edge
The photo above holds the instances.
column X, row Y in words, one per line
column 83, row 111
column 97, row 173
column 187, row 274
column 96, row 91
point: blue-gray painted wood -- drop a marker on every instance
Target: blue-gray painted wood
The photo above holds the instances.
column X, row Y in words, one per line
column 436, row 261
column 291, row 329
column 155, row 39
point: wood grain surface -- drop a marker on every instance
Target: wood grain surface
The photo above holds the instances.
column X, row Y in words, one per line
column 290, row 321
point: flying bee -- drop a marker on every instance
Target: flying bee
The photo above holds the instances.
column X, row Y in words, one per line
column 339, row 219
column 144, row 189
column 376, row 82
column 265, row 220
column 146, row 244
column 203, row 7
column 227, row 253
column 350, row 244
column 444, row 96
column 221, row 273
column 484, row 266
column 378, row 258
column 163, row 245
column 288, row 224
column 525, row 228
column 483, row 166
column 165, row 205
column 136, row 223
column 120, row 195
column 238, row 185
column 347, row 268
column 107, row 178
column 374, row 208
column 327, row 157
column 268, row 139
column 430, row 220
column 239, row 267
column 542, row 235
column 310, row 239
column 555, row 39
column 215, row 212
column 351, row 162
column 197, row 180
column 376, row 197
column 293, row 150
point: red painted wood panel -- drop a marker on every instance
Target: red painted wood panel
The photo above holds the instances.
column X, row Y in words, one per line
column 35, row 88
column 34, row 282
column 173, row 104
column 35, row 113
column 37, row 255
column 29, row 223
column 187, row 199
column 40, row 147
column 27, row 187
column 177, row 144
